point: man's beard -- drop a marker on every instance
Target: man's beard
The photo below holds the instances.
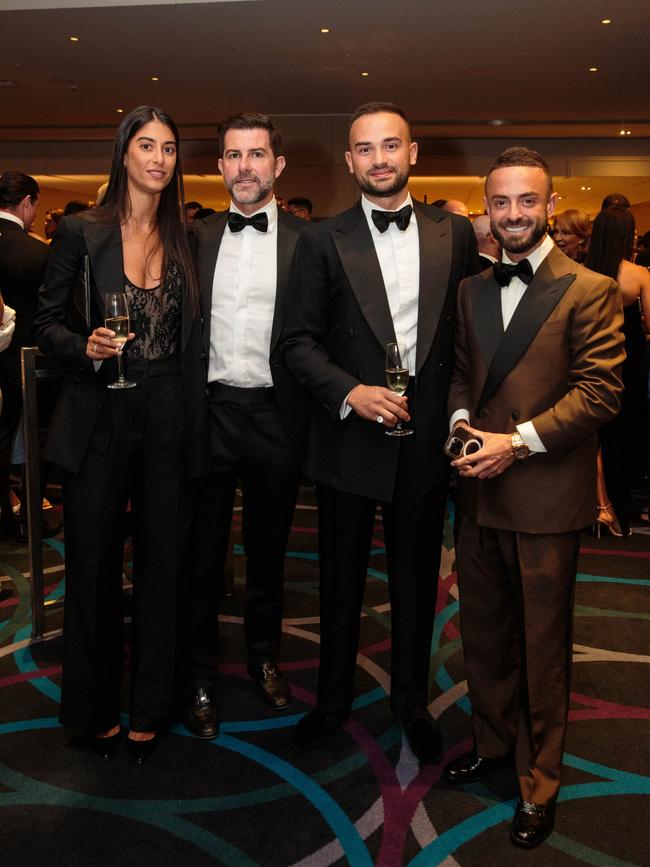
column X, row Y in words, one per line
column 400, row 180
column 520, row 243
column 252, row 194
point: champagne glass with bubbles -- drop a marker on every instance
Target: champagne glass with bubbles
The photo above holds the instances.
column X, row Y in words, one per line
column 397, row 378
column 117, row 319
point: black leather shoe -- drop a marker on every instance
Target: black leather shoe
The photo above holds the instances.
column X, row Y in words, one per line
column 315, row 728
column 532, row 824
column 470, row 767
column 141, row 750
column 201, row 716
column 105, row 748
column 271, row 683
column 424, row 739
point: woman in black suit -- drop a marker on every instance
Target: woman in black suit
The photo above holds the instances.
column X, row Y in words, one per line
column 140, row 445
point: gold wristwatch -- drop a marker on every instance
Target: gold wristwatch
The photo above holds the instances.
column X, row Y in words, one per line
column 520, row 450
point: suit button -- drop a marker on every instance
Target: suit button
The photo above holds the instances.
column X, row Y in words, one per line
column 514, row 415
column 350, row 332
column 203, row 356
column 207, row 391
column 441, row 364
column 449, row 320
column 479, row 414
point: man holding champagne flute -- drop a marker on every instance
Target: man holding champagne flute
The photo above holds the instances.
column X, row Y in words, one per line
column 384, row 272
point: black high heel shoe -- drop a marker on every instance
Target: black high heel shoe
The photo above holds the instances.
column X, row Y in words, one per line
column 141, row 750
column 105, row 748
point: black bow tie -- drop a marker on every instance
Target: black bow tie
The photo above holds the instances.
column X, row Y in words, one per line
column 236, row 222
column 381, row 219
column 503, row 273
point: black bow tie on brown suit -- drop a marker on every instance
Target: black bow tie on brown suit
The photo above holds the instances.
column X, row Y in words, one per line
column 503, row 272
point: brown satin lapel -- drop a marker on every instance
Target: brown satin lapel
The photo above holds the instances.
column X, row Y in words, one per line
column 435, row 265
column 541, row 297
column 287, row 239
column 359, row 259
column 209, row 241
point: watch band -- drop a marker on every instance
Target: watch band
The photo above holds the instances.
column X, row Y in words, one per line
column 520, row 450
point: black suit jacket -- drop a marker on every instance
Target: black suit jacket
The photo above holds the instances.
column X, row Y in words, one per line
column 83, row 246
column 291, row 399
column 338, row 325
column 22, row 268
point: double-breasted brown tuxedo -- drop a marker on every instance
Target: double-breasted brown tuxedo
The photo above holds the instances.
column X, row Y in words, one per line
column 558, row 366
column 257, row 438
column 338, row 325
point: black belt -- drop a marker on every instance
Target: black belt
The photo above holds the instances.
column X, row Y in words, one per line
column 236, row 394
column 150, row 367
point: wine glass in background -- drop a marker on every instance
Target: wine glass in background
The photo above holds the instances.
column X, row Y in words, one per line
column 397, row 378
column 117, row 319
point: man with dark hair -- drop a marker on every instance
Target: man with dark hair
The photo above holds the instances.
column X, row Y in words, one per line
column 22, row 268
column 615, row 200
column 536, row 373
column 256, row 407
column 384, row 271
column 191, row 210
column 300, row 207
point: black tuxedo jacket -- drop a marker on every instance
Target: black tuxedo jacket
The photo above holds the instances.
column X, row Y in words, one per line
column 338, row 325
column 22, row 268
column 291, row 399
column 83, row 247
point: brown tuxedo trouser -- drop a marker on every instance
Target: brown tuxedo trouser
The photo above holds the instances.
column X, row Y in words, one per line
column 516, row 609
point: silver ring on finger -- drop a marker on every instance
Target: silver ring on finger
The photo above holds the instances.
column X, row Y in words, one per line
column 380, row 419
column 93, row 347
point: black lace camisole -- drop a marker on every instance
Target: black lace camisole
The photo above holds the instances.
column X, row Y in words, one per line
column 155, row 317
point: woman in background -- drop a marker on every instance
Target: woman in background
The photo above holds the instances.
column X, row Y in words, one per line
column 137, row 445
column 571, row 233
column 610, row 250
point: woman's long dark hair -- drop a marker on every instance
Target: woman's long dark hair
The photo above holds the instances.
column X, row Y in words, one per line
column 612, row 240
column 115, row 208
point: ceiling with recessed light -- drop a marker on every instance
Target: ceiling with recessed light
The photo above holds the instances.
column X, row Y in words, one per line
column 464, row 70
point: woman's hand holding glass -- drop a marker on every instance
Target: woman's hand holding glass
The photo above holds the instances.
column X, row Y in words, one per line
column 101, row 344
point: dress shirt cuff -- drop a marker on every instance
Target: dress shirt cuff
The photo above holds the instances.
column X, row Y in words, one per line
column 459, row 415
column 530, row 437
column 345, row 410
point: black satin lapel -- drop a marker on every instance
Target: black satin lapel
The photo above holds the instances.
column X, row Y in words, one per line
column 435, row 266
column 485, row 298
column 104, row 245
column 359, row 259
column 287, row 239
column 208, row 250
column 538, row 302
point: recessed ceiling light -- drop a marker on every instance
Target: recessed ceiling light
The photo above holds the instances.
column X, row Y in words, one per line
column 593, row 69
column 324, row 30
column 119, row 110
column 365, row 74
column 628, row 132
column 74, row 39
column 155, row 78
column 606, row 21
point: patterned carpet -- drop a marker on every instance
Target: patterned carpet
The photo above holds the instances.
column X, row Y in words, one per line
column 247, row 799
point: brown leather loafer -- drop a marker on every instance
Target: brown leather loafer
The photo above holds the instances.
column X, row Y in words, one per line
column 201, row 716
column 532, row 824
column 271, row 683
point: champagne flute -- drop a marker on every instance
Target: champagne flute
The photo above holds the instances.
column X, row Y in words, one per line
column 397, row 378
column 117, row 319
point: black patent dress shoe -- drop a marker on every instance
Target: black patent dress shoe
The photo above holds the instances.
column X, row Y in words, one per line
column 532, row 824
column 315, row 728
column 271, row 684
column 424, row 739
column 201, row 716
column 471, row 767
column 141, row 750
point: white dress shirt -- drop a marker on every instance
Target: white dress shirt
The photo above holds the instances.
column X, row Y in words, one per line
column 243, row 303
column 6, row 215
column 398, row 252
column 511, row 295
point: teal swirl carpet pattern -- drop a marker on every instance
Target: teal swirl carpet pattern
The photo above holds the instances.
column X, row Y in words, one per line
column 247, row 800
